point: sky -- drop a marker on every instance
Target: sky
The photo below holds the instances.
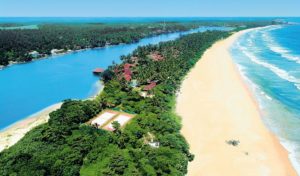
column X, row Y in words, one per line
column 148, row 8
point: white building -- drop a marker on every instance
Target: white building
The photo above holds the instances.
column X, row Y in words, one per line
column 34, row 54
column 57, row 51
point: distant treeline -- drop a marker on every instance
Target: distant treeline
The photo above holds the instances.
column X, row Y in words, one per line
column 16, row 44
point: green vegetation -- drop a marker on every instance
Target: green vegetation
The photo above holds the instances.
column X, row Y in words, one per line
column 16, row 44
column 68, row 146
column 23, row 43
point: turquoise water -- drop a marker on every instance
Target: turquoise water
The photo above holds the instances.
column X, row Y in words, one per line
column 41, row 20
column 28, row 88
column 269, row 60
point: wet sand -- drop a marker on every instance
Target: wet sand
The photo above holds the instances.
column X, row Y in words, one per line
column 216, row 106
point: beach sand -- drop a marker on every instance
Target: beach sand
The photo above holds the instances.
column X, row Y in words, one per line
column 216, row 106
column 13, row 134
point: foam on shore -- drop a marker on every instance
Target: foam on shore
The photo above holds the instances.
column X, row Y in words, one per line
column 216, row 106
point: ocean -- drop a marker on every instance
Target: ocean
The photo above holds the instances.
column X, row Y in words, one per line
column 111, row 20
column 269, row 60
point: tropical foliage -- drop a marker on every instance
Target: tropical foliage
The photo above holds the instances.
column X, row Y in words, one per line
column 66, row 145
column 18, row 44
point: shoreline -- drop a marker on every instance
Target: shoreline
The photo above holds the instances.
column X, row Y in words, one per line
column 229, row 111
column 15, row 132
column 10, row 135
column 52, row 56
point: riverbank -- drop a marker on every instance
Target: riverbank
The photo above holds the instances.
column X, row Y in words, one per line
column 222, row 123
column 47, row 56
column 73, row 70
column 12, row 134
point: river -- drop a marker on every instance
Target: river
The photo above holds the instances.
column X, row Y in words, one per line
column 27, row 88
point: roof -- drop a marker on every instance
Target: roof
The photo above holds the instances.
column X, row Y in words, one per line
column 156, row 56
column 150, row 86
column 34, row 52
column 98, row 70
column 127, row 72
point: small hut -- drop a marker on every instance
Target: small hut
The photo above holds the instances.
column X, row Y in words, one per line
column 150, row 86
column 98, row 71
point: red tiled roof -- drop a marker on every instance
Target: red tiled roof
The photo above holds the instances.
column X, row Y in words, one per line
column 156, row 56
column 127, row 77
column 127, row 72
column 127, row 66
column 150, row 86
column 98, row 70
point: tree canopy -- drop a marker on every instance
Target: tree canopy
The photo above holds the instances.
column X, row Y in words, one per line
column 16, row 45
column 66, row 145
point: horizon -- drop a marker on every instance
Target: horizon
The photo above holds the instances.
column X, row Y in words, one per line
column 115, row 20
column 155, row 8
column 41, row 20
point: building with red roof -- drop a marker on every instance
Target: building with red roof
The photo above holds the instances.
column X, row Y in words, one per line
column 98, row 70
column 150, row 86
column 127, row 72
column 156, row 56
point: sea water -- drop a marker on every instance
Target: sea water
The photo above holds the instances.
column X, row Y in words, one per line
column 111, row 20
column 269, row 60
column 28, row 88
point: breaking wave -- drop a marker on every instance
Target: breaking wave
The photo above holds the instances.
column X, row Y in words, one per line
column 279, row 72
column 276, row 48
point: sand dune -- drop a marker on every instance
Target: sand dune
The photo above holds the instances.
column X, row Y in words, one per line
column 216, row 106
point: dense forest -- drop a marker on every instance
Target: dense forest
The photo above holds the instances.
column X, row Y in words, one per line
column 66, row 145
column 21, row 45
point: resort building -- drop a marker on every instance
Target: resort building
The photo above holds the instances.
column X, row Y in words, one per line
column 57, row 51
column 150, row 86
column 154, row 144
column 127, row 72
column 150, row 140
column 146, row 93
column 98, row 71
column 156, row 56
column 34, row 54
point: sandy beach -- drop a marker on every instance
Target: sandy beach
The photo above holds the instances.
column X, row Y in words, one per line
column 216, row 106
column 13, row 134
